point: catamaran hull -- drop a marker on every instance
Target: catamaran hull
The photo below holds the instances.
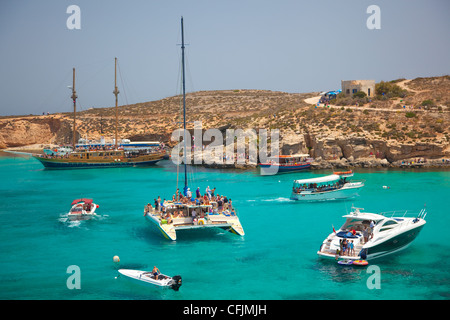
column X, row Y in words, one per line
column 58, row 164
column 169, row 231
column 343, row 193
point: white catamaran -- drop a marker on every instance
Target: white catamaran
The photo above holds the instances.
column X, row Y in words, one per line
column 186, row 212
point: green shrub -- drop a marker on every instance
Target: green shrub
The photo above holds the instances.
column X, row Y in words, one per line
column 389, row 90
column 410, row 114
column 428, row 103
column 359, row 94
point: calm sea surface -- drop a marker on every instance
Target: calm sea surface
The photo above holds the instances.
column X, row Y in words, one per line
column 276, row 259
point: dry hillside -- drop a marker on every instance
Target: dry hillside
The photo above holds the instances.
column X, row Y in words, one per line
column 380, row 127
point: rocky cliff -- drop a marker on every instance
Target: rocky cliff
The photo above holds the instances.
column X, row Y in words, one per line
column 384, row 131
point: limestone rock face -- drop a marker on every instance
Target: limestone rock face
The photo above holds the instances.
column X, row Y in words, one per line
column 23, row 131
column 343, row 151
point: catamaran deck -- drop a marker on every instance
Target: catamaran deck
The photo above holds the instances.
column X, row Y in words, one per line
column 179, row 216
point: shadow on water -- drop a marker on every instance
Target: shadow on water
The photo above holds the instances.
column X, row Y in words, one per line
column 339, row 273
column 149, row 233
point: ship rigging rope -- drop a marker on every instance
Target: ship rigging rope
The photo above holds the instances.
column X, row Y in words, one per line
column 123, row 85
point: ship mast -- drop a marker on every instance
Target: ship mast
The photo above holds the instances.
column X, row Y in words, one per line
column 184, row 106
column 116, row 92
column 74, row 99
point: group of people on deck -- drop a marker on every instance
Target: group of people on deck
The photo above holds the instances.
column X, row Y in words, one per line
column 347, row 247
column 318, row 188
column 223, row 203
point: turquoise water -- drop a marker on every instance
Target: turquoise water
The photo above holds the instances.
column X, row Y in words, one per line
column 276, row 259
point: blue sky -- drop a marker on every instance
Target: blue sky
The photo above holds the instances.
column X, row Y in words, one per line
column 283, row 45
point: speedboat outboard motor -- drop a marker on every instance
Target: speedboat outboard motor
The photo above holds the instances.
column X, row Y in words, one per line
column 176, row 283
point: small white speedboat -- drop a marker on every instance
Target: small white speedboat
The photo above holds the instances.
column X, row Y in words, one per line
column 147, row 277
column 82, row 209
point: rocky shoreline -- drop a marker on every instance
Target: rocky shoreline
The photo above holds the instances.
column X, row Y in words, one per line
column 443, row 163
column 384, row 132
column 317, row 164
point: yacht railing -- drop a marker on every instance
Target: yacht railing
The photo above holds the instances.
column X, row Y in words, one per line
column 405, row 214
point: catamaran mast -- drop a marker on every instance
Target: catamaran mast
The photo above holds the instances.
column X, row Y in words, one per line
column 184, row 106
column 116, row 92
column 74, row 99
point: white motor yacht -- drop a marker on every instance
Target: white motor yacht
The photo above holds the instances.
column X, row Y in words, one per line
column 372, row 235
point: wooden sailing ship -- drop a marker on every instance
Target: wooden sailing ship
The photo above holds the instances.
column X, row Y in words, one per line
column 106, row 156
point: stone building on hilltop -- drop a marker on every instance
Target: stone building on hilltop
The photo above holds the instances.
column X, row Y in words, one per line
column 349, row 87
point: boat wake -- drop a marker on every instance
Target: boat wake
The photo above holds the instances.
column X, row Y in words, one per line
column 280, row 199
column 64, row 219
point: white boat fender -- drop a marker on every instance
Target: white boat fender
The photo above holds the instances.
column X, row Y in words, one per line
column 116, row 259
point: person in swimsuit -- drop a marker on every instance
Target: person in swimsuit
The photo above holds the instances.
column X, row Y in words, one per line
column 155, row 272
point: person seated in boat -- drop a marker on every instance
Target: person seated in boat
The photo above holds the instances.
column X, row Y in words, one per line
column 178, row 214
column 155, row 272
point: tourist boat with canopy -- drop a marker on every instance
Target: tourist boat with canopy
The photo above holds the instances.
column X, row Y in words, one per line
column 286, row 163
column 102, row 156
column 372, row 235
column 82, row 209
column 331, row 187
column 148, row 278
column 185, row 212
